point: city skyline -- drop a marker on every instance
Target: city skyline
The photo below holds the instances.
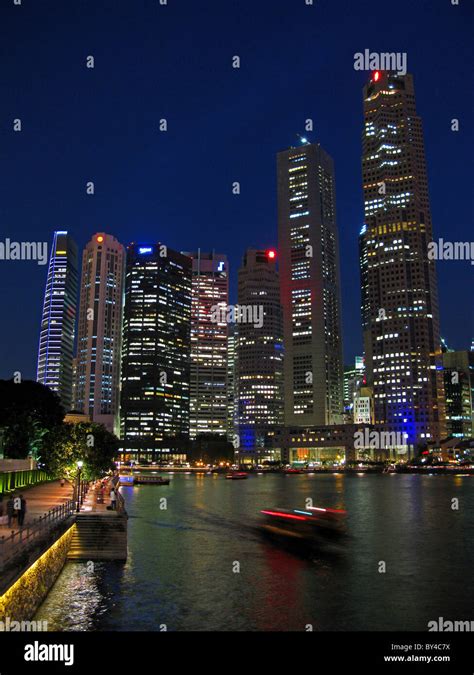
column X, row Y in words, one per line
column 233, row 223
column 302, row 142
column 175, row 360
column 398, row 323
column 175, row 308
column 237, row 373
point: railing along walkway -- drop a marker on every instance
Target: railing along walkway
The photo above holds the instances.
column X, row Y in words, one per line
column 16, row 543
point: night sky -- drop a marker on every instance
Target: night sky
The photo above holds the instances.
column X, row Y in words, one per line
column 224, row 125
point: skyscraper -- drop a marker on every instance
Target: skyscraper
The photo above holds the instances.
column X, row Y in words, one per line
column 56, row 344
column 156, row 351
column 232, row 391
column 259, row 351
column 208, row 393
column 399, row 294
column 353, row 379
column 310, row 286
column 97, row 387
column 459, row 389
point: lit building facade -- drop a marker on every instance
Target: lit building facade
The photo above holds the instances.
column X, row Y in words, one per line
column 259, row 353
column 317, row 446
column 352, row 381
column 156, row 352
column 208, row 392
column 97, row 384
column 363, row 406
column 310, row 286
column 56, row 343
column 232, row 393
column 458, row 368
column 399, row 292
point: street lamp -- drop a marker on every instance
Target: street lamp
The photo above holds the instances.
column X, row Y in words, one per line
column 80, row 464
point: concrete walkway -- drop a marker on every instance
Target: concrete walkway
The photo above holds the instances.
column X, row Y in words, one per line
column 39, row 500
column 97, row 500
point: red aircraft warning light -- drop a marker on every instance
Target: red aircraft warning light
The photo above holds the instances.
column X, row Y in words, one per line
column 376, row 76
column 271, row 254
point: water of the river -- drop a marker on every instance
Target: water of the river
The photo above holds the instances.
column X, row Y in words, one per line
column 181, row 571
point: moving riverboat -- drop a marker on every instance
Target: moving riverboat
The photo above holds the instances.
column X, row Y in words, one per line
column 304, row 524
column 236, row 475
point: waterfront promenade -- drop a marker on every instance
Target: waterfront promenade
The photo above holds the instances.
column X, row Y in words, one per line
column 39, row 500
column 92, row 504
column 53, row 530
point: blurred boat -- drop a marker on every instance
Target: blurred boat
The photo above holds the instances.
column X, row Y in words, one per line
column 305, row 524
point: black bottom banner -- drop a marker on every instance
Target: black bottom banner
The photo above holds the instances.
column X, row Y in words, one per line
column 25, row 652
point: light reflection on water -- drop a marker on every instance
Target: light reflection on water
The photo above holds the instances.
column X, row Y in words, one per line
column 80, row 600
column 180, row 567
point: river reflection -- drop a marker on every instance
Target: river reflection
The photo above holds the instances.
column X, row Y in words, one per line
column 202, row 564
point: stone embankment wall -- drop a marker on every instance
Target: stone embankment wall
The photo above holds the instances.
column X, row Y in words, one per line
column 21, row 600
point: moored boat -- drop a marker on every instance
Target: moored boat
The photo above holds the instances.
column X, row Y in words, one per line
column 236, row 475
column 151, row 480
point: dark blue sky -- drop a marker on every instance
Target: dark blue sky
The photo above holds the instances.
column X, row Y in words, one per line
column 224, row 125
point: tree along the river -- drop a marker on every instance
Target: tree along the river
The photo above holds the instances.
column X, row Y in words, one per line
column 28, row 412
column 90, row 443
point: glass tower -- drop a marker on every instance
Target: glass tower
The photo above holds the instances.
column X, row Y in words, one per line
column 210, row 287
column 56, row 344
column 156, row 352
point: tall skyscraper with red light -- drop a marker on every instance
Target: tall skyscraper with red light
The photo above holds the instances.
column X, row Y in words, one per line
column 399, row 292
column 258, row 352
